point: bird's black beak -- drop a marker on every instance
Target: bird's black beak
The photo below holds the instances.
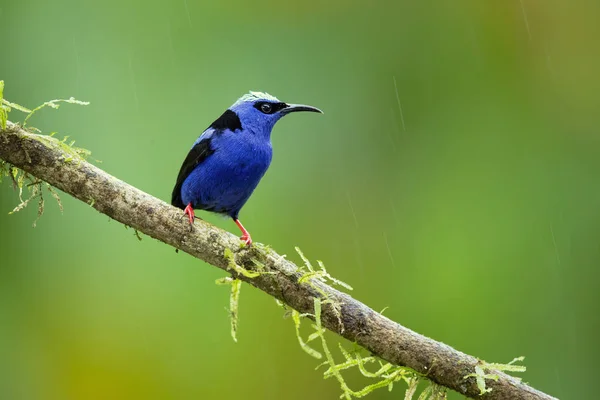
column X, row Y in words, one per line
column 299, row 107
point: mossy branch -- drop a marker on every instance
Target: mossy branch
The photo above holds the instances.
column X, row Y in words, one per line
column 50, row 160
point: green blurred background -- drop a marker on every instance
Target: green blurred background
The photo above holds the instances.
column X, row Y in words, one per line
column 472, row 212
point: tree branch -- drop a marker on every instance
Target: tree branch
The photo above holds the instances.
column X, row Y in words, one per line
column 52, row 161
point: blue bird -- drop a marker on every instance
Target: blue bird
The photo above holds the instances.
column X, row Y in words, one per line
column 230, row 157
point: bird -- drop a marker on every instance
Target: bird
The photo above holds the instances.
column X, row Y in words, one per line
column 228, row 160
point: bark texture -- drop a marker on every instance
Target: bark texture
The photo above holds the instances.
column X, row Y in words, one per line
column 51, row 161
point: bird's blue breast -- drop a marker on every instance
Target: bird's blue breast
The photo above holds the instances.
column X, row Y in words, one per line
column 224, row 181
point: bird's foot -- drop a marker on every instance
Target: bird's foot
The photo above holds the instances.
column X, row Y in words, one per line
column 246, row 239
column 189, row 211
column 245, row 234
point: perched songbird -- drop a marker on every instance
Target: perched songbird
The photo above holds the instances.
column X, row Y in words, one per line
column 230, row 157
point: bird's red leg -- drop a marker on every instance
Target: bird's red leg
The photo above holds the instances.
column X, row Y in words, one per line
column 189, row 211
column 245, row 234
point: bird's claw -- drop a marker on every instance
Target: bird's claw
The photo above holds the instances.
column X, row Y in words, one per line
column 245, row 234
column 246, row 239
column 189, row 211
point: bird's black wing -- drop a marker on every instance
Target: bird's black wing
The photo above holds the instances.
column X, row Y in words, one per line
column 201, row 150
column 197, row 155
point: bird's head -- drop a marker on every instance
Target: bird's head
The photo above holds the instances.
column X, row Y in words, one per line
column 259, row 112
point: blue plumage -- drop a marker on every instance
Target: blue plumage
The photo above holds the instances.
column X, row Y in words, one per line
column 230, row 157
column 226, row 179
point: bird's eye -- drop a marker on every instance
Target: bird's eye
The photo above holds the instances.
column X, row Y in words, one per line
column 266, row 108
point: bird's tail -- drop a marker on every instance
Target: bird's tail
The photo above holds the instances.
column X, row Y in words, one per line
column 176, row 198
